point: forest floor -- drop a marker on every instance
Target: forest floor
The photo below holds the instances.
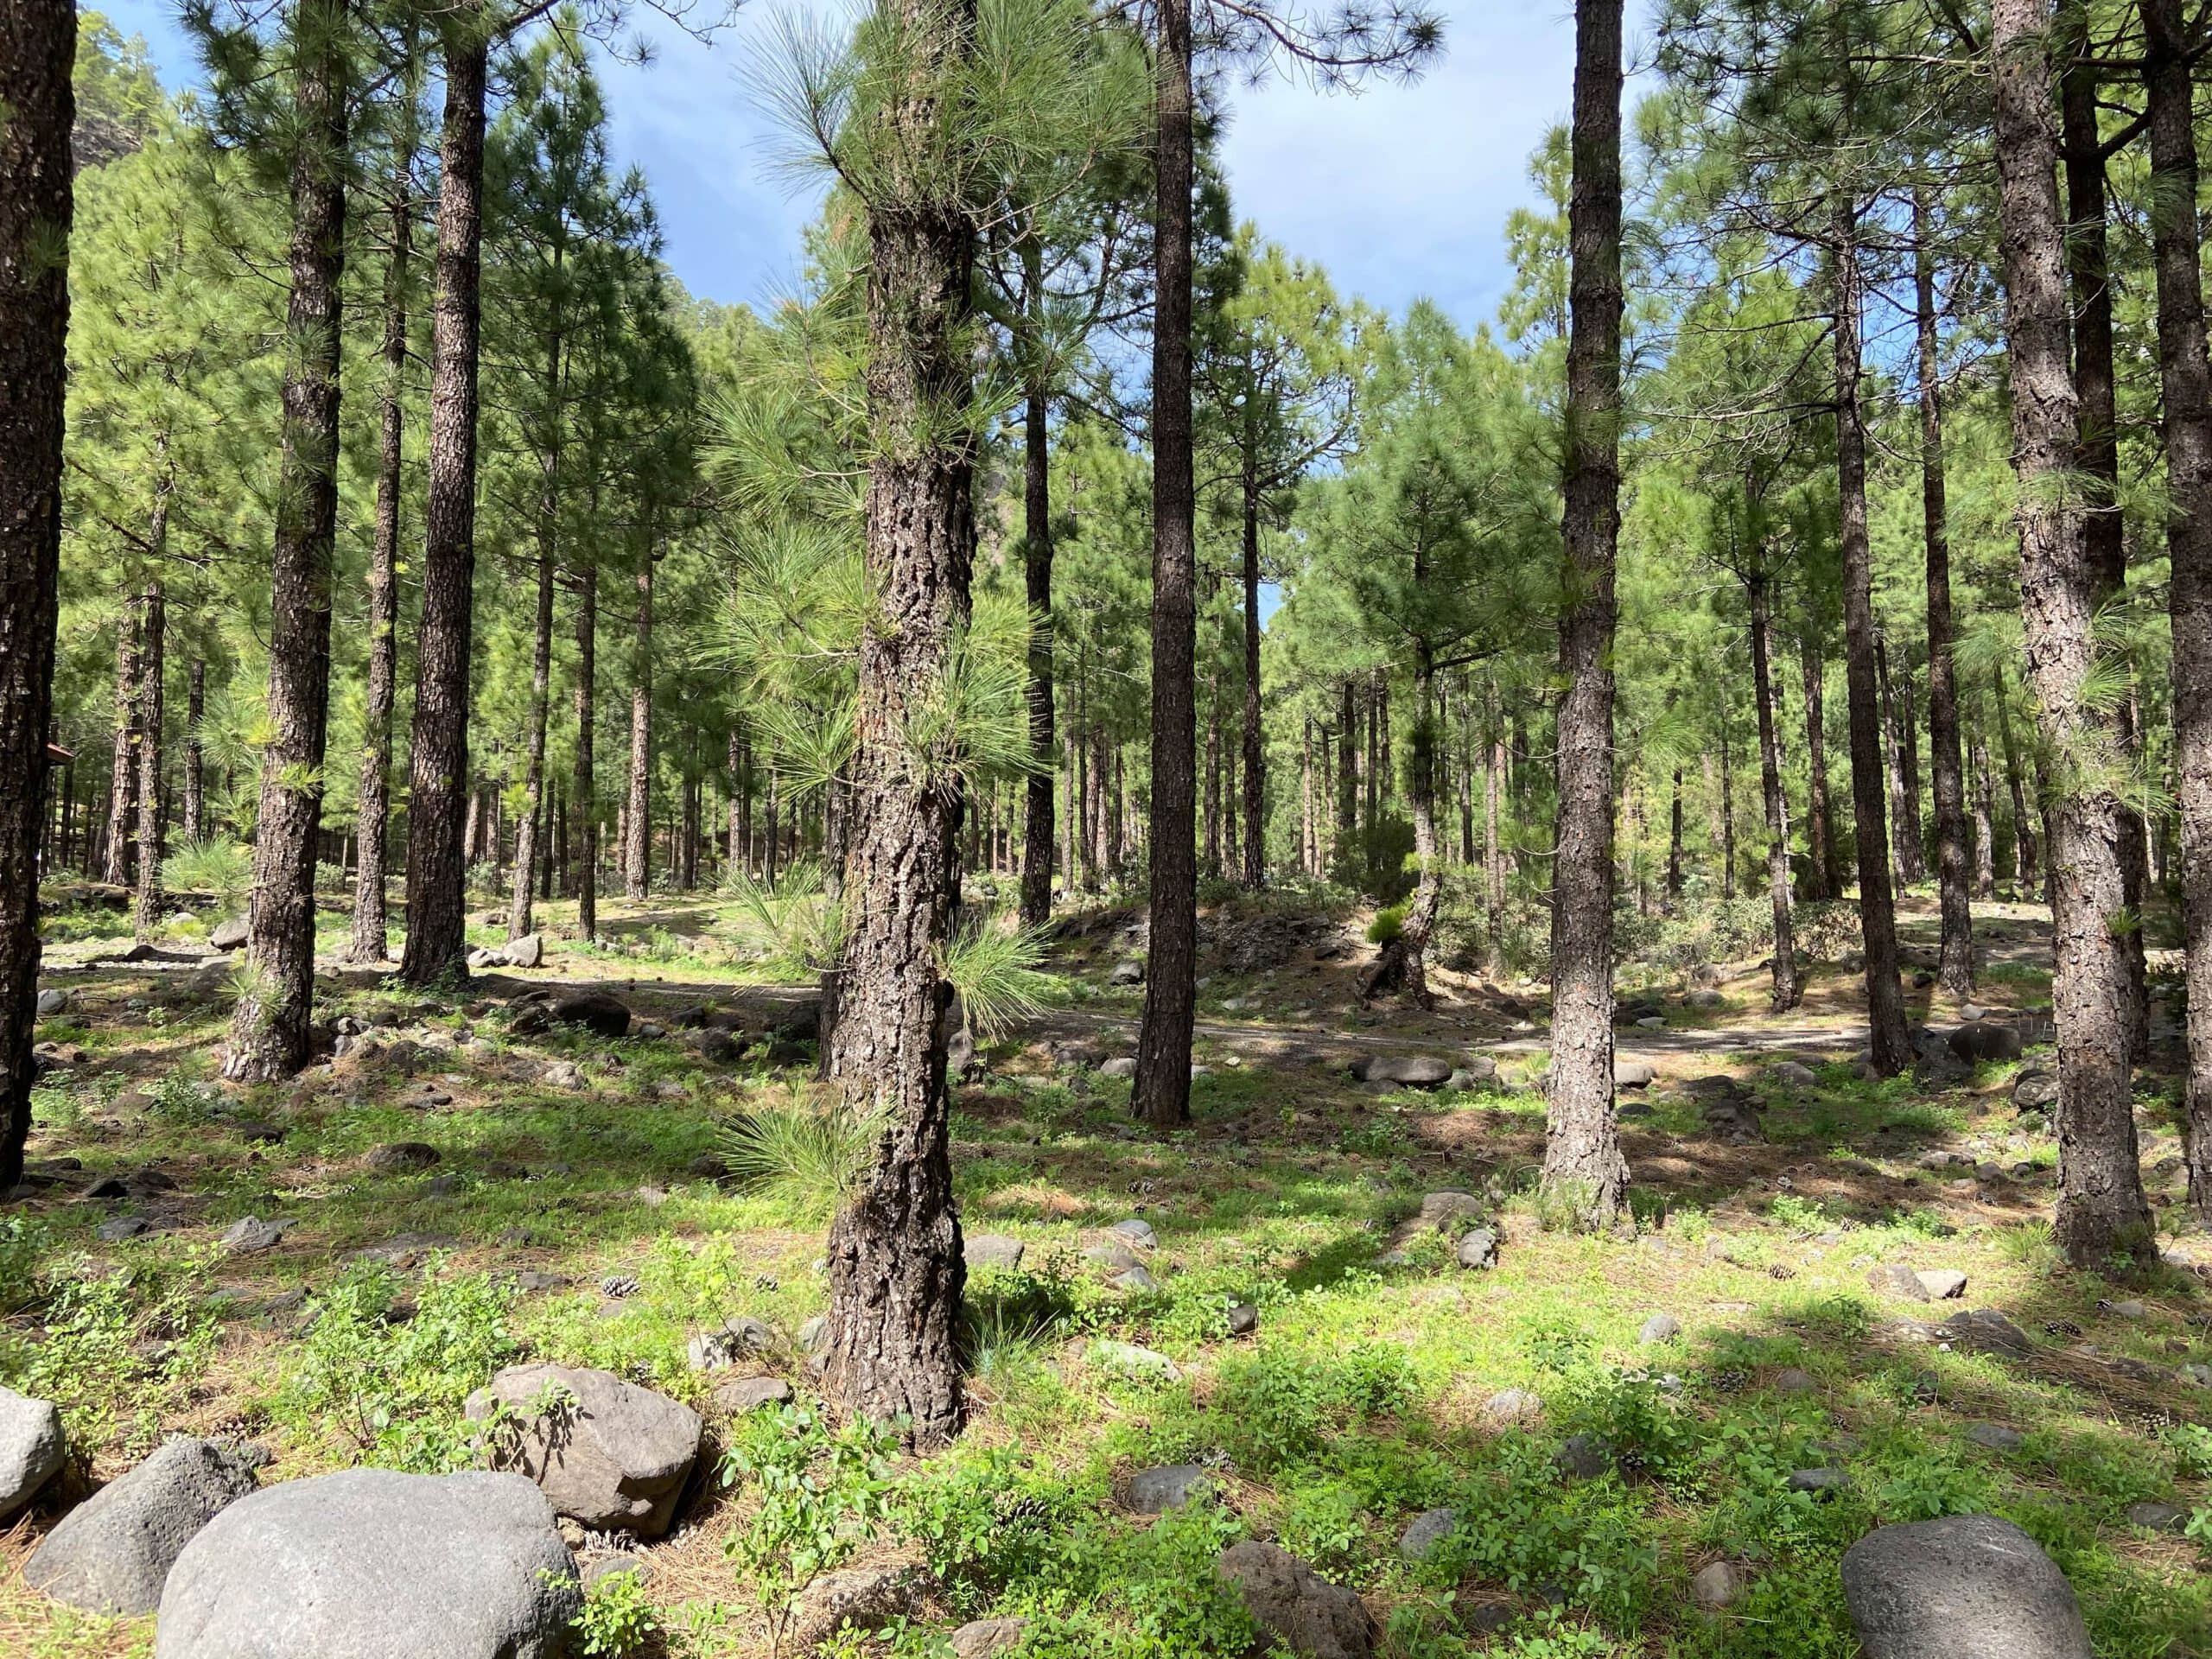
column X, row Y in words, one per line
column 573, row 1207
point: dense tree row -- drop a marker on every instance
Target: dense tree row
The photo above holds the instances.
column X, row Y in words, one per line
column 1852, row 415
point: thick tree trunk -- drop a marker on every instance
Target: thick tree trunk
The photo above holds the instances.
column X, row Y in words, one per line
column 2101, row 1211
column 195, row 776
column 584, row 787
column 1892, row 1050
column 271, row 1025
column 1823, row 871
column 1036, row 573
column 1787, row 988
column 1583, row 1164
column 1256, row 758
column 2185, row 377
column 438, row 771
column 638, row 825
column 122, row 777
column 1955, row 970
column 37, row 48
column 1161, row 1094
column 895, row 1270
column 2097, row 444
column 146, row 908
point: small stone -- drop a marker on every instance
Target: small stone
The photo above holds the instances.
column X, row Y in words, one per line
column 2129, row 1309
column 51, row 1003
column 743, row 1394
column 1428, row 1529
column 1791, row 1074
column 1114, row 1256
column 1981, row 1041
column 1244, row 1318
column 1942, row 1284
column 1304, row 1611
column 1796, row 1382
column 1820, row 1483
column 597, row 1013
column 991, row 1252
column 1995, row 1436
column 1892, row 1278
column 1583, row 1456
column 1717, row 1586
column 862, row 1597
column 400, row 1155
column 1985, row 1330
column 250, row 1235
column 2157, row 1517
column 814, row 1335
column 526, row 951
column 1137, row 1233
column 986, row 1638
column 740, row 1338
column 1127, row 971
column 1130, row 1360
column 1155, row 1491
column 1513, row 1407
column 1133, row 1279
column 1633, row 1074
column 1478, row 1250
column 1121, row 1065
column 1659, row 1327
column 1450, row 1209
column 119, row 1227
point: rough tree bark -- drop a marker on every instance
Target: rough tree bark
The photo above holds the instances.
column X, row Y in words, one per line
column 1161, row 1094
column 1493, row 843
column 38, row 44
column 1255, row 754
column 1892, row 1050
column 584, row 787
column 438, row 769
column 1985, row 817
column 637, row 822
column 2186, row 379
column 1583, row 1164
column 270, row 1027
column 147, row 904
column 1823, row 873
column 896, row 1275
column 1893, row 758
column 1955, row 971
column 2097, row 446
column 118, row 868
column 2101, row 1211
column 196, row 760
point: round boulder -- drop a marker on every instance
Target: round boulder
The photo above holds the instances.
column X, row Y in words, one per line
column 609, row 1454
column 1304, row 1612
column 111, row 1553
column 1967, row 1586
column 371, row 1564
column 31, row 1448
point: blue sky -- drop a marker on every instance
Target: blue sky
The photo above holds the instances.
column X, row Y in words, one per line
column 1399, row 191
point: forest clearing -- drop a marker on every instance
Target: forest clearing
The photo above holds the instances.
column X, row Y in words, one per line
column 1128, row 889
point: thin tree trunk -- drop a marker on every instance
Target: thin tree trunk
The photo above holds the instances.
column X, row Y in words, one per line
column 1893, row 760
column 1727, row 803
column 1232, row 857
column 437, row 766
column 1466, row 774
column 1255, row 761
column 1787, row 988
column 123, row 782
column 37, row 49
column 1985, row 818
column 1493, row 844
column 541, row 662
column 1583, row 1163
column 894, row 1258
column 271, row 1025
column 1823, row 871
column 1161, row 1094
column 584, row 787
column 1036, row 573
column 2101, row 1210
column 1309, row 857
column 1213, row 774
column 146, row 909
column 1346, row 862
column 1675, row 844
column 1892, row 1050
column 1371, row 768
column 2024, row 833
column 195, row 772
column 1908, row 755
column 2185, row 377
column 638, row 836
column 1955, row 970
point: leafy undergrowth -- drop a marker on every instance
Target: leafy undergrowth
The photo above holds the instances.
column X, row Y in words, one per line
column 1358, row 1404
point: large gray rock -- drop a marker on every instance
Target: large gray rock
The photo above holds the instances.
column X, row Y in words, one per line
column 994, row 1251
column 1304, row 1612
column 1967, row 1586
column 1404, row 1070
column 596, row 1012
column 31, row 1448
column 112, row 1552
column 1426, row 1530
column 230, row 934
column 371, row 1564
column 613, row 1455
column 1152, row 1491
column 1983, row 1041
column 981, row 1638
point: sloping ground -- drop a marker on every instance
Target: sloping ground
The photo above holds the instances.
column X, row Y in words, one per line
column 574, row 1211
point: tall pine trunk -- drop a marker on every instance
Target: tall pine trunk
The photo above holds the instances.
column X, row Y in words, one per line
column 585, row 786
column 271, row 1025
column 1036, row 574
column 1956, row 968
column 2097, row 441
column 122, row 775
column 1892, row 1050
column 896, row 1274
column 1823, row 873
column 1493, row 843
column 637, row 822
column 1161, row 1094
column 2186, row 381
column 146, row 906
column 1583, row 1163
column 438, row 772
column 1254, row 873
column 195, row 762
column 1985, row 817
column 2101, row 1206
column 38, row 45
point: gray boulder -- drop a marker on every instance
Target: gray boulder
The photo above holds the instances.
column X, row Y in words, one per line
column 995, row 1251
column 1139, row 1233
column 1995, row 1436
column 1131, row 1361
column 1129, row 971
column 526, row 951
column 597, row 1013
column 112, row 1552
column 1121, row 1065
column 1450, row 1209
column 1791, row 1074
column 865, row 1598
column 1512, row 1407
column 741, row 1336
column 1981, row 1040
column 1404, row 1070
column 1426, row 1531
column 983, row 1638
column 1716, row 1586
column 31, row 1448
column 1659, row 1327
column 1153, row 1491
column 1478, row 1250
column 1985, row 1330
column 230, row 933
column 1633, row 1074
column 371, row 1564
column 52, row 1001
column 1304, row 1612
column 1967, row 1586
column 744, row 1394
column 1893, row 1279
column 613, row 1455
